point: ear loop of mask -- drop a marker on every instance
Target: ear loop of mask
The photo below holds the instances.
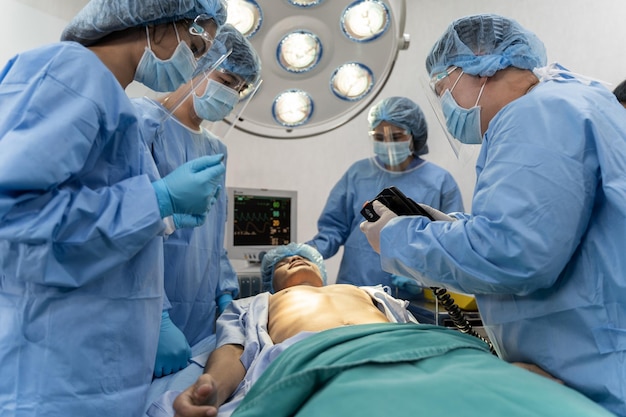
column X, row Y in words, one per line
column 148, row 36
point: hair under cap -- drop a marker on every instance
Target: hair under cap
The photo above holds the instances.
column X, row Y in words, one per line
column 271, row 258
column 486, row 43
column 404, row 113
column 100, row 18
column 243, row 59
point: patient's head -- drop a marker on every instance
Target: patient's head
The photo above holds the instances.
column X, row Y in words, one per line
column 292, row 264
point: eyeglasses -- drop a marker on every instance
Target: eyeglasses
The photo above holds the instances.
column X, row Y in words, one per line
column 197, row 29
column 389, row 135
column 437, row 78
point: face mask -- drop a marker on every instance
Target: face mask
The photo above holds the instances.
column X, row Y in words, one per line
column 463, row 124
column 216, row 103
column 169, row 74
column 392, row 153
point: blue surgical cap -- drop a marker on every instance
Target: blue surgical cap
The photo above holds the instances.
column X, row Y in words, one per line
column 100, row 18
column 271, row 258
column 404, row 113
column 242, row 61
column 484, row 44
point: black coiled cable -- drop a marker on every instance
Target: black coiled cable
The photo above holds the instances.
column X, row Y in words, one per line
column 458, row 318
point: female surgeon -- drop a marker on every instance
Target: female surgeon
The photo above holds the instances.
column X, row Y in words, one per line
column 81, row 261
column 398, row 133
column 543, row 249
column 198, row 275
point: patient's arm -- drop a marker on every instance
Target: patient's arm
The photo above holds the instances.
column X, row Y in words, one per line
column 224, row 364
column 222, row 374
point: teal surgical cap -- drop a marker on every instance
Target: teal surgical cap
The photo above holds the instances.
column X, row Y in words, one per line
column 404, row 113
column 486, row 43
column 242, row 61
column 100, row 18
column 271, row 258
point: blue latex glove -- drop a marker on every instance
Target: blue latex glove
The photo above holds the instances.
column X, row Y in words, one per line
column 406, row 284
column 188, row 220
column 223, row 301
column 173, row 351
column 192, row 187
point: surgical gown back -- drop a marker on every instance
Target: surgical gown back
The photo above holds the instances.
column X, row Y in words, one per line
column 81, row 275
column 197, row 269
column 339, row 222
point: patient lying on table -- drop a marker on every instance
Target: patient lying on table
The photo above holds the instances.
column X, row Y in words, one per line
column 347, row 366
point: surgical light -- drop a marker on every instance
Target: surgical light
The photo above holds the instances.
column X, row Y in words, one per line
column 352, row 81
column 292, row 108
column 299, row 51
column 245, row 15
column 324, row 62
column 365, row 20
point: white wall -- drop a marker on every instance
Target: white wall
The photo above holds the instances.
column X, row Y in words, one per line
column 585, row 36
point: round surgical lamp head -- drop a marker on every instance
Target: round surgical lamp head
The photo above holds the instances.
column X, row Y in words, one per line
column 299, row 51
column 292, row 108
column 245, row 15
column 364, row 21
column 352, row 81
column 334, row 54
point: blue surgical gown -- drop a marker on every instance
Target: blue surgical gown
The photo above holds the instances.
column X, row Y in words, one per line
column 197, row 269
column 81, row 275
column 543, row 248
column 339, row 222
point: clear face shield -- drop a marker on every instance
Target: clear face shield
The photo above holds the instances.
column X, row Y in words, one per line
column 176, row 99
column 246, row 94
column 392, row 145
column 462, row 151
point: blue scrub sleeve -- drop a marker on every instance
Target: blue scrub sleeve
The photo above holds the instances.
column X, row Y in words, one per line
column 451, row 198
column 520, row 235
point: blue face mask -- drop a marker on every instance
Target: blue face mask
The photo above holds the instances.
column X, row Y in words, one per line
column 463, row 124
column 217, row 102
column 392, row 153
column 169, row 74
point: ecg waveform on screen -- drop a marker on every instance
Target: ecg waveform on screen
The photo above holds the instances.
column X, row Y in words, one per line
column 261, row 220
column 252, row 223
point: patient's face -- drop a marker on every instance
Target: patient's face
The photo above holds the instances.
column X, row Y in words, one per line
column 296, row 270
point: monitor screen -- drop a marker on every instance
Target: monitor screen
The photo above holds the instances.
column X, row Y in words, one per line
column 258, row 220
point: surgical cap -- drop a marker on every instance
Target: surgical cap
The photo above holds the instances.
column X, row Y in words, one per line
column 271, row 258
column 100, row 18
column 484, row 44
column 404, row 113
column 242, row 61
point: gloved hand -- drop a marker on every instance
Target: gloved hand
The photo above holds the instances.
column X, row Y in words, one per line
column 188, row 220
column 173, row 351
column 372, row 229
column 406, row 284
column 192, row 187
column 436, row 214
column 223, row 301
